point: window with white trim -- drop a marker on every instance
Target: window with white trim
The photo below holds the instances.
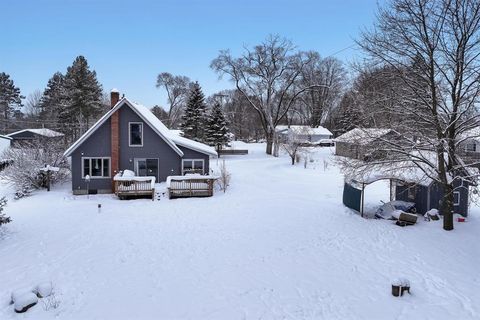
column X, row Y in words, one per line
column 96, row 167
column 456, row 198
column 193, row 166
column 135, row 130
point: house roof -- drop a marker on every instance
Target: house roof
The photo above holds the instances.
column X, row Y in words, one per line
column 153, row 122
column 362, row 135
column 42, row 132
column 300, row 129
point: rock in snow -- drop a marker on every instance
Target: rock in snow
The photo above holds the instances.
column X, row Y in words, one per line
column 25, row 301
column 43, row 289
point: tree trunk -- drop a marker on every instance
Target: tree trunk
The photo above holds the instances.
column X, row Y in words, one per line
column 447, row 207
column 293, row 156
column 276, row 144
column 269, row 143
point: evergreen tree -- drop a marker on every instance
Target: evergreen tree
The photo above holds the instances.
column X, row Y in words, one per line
column 83, row 98
column 53, row 98
column 10, row 98
column 217, row 131
column 194, row 118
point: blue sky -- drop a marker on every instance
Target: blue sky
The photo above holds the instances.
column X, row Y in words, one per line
column 129, row 42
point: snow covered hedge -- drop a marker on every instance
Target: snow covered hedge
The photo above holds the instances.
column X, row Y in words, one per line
column 24, row 169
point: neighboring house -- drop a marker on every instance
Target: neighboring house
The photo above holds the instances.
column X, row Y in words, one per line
column 303, row 133
column 5, row 143
column 469, row 147
column 361, row 143
column 130, row 137
column 26, row 137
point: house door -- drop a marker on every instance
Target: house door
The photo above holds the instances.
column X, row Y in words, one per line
column 146, row 167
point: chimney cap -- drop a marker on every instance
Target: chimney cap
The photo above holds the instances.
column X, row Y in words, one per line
column 115, row 90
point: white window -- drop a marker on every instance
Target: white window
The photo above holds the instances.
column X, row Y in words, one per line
column 135, row 133
column 96, row 167
column 193, row 166
column 456, row 198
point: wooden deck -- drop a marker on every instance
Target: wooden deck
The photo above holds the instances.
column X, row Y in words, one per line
column 133, row 188
column 232, row 152
column 194, row 187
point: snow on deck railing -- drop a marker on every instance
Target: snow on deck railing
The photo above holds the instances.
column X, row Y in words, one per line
column 190, row 177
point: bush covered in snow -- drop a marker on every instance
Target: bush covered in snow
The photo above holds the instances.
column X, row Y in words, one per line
column 24, row 170
column 3, row 219
column 224, row 177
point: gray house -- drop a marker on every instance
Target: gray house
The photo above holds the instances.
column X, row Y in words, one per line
column 130, row 137
column 361, row 143
column 26, row 137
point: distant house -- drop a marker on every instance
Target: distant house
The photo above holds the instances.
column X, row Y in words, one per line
column 469, row 147
column 26, row 137
column 130, row 137
column 5, row 143
column 360, row 143
column 304, row 133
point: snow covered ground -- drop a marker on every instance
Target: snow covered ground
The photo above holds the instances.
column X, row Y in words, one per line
column 278, row 245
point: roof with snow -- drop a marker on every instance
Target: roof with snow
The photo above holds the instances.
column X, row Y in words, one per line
column 420, row 168
column 5, row 137
column 143, row 112
column 41, row 132
column 362, row 135
column 301, row 129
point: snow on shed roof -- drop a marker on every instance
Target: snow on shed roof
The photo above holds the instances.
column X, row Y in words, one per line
column 362, row 135
column 154, row 123
column 42, row 132
column 302, row 129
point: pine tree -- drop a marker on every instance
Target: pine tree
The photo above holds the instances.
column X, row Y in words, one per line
column 217, row 131
column 83, row 98
column 10, row 98
column 53, row 98
column 194, row 118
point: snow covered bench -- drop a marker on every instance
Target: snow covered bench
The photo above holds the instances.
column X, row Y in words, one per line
column 128, row 185
column 192, row 185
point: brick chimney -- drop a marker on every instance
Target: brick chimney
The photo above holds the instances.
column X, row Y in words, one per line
column 114, row 97
column 114, row 135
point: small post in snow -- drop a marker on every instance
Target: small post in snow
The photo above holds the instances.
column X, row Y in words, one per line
column 99, row 207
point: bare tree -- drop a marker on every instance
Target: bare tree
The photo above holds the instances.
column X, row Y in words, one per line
column 437, row 41
column 177, row 88
column 33, row 104
column 295, row 142
column 267, row 76
column 317, row 103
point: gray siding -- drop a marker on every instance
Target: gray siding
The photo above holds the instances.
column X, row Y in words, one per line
column 153, row 147
column 192, row 154
column 99, row 145
column 427, row 198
